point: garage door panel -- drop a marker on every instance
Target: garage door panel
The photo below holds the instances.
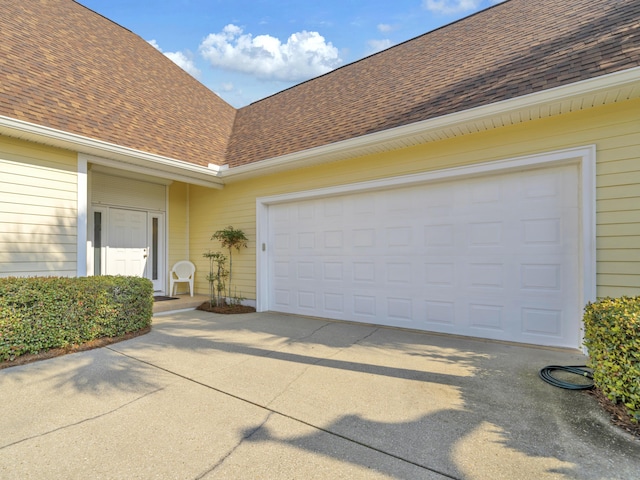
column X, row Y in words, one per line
column 441, row 236
column 282, row 243
column 400, row 202
column 399, row 238
column 494, row 257
column 541, row 232
column 364, row 307
column 486, row 276
column 439, row 312
column 399, row 274
column 483, row 234
column 541, row 277
column 482, row 192
column 306, row 300
column 542, row 322
column 333, row 271
column 282, row 299
column 363, row 272
column 333, row 303
column 485, row 315
column 363, row 239
column 440, row 273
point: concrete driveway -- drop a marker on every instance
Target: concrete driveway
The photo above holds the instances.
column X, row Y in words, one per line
column 277, row 396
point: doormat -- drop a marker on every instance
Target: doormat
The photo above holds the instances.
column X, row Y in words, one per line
column 161, row 298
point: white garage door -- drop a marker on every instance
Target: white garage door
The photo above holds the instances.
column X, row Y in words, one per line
column 492, row 256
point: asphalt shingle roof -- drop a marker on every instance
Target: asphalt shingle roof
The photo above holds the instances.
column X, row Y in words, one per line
column 515, row 48
column 66, row 67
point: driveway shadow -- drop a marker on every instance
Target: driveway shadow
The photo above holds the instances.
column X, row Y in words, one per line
column 506, row 413
column 504, row 418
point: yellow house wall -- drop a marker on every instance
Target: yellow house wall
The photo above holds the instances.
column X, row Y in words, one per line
column 178, row 223
column 38, row 209
column 613, row 129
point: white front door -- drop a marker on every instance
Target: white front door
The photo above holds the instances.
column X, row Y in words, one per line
column 129, row 242
column 127, row 250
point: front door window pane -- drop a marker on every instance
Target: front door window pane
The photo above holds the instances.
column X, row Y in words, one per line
column 97, row 243
column 154, row 248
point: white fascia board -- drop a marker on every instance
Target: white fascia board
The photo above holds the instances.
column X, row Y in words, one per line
column 114, row 155
column 314, row 156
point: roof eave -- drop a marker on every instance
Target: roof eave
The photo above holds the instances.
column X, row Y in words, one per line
column 602, row 90
column 112, row 155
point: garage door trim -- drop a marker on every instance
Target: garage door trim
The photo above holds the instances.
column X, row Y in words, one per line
column 584, row 157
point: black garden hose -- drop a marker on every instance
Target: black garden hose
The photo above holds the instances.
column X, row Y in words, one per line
column 545, row 374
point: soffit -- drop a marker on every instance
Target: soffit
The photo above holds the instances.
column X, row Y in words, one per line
column 605, row 90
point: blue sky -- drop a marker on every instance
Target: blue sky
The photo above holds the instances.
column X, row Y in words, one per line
column 248, row 50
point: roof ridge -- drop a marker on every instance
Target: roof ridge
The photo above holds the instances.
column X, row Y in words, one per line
column 106, row 18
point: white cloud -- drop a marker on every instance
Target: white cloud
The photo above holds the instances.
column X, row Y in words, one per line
column 447, row 7
column 303, row 56
column 378, row 45
column 183, row 60
column 385, row 27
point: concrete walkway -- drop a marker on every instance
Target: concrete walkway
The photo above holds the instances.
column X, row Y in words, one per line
column 181, row 301
column 274, row 396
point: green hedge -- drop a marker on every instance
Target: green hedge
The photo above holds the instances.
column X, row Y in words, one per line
column 40, row 313
column 612, row 335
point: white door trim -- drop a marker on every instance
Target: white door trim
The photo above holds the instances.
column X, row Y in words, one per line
column 584, row 157
column 160, row 284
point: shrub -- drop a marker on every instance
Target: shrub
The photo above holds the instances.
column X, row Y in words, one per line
column 41, row 313
column 612, row 335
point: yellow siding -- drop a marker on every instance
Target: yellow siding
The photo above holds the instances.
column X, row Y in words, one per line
column 613, row 129
column 178, row 223
column 38, row 209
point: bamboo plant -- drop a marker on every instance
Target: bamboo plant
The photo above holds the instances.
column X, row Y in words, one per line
column 231, row 238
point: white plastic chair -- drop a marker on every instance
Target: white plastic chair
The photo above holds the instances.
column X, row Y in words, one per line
column 182, row 272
